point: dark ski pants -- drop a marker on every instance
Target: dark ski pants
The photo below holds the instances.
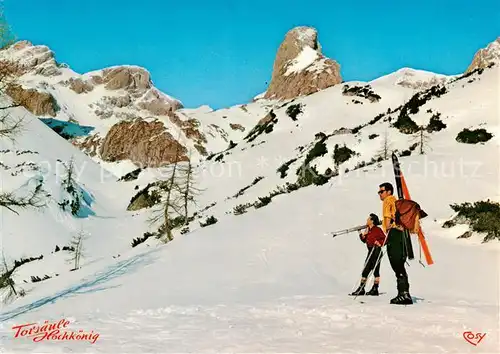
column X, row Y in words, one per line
column 372, row 262
column 396, row 252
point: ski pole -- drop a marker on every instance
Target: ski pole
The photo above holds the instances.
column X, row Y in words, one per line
column 364, row 266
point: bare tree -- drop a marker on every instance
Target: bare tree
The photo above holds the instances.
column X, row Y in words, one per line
column 6, row 281
column 386, row 147
column 171, row 200
column 78, row 249
column 422, row 139
column 10, row 128
column 35, row 199
column 186, row 185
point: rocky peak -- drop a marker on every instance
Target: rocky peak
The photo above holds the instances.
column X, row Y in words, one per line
column 300, row 68
column 28, row 58
column 486, row 56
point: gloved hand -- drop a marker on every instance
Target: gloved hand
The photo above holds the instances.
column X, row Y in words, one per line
column 362, row 237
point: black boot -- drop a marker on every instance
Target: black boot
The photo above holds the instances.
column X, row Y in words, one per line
column 359, row 291
column 403, row 298
column 374, row 290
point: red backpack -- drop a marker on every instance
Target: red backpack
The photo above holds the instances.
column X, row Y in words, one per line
column 408, row 214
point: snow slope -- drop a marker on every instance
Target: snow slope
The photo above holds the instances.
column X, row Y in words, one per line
column 273, row 279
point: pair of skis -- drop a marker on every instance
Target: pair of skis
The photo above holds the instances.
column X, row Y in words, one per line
column 403, row 193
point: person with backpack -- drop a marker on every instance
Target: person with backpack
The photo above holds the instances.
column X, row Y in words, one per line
column 374, row 238
column 396, row 244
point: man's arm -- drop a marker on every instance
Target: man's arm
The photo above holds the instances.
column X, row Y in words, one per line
column 387, row 223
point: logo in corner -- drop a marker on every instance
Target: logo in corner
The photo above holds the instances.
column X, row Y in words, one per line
column 474, row 338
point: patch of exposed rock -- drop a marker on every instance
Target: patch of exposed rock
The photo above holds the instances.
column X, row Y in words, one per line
column 485, row 56
column 80, row 86
column 38, row 103
column 235, row 126
column 90, row 145
column 300, row 68
column 189, row 128
column 146, row 144
column 126, row 77
column 157, row 103
column 119, row 101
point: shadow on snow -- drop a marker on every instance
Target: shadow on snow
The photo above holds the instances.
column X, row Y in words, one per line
column 86, row 286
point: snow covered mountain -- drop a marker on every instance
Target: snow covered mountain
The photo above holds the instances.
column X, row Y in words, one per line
column 257, row 270
column 119, row 105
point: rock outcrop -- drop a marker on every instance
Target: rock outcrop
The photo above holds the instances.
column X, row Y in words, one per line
column 486, row 56
column 80, row 86
column 26, row 57
column 300, row 68
column 419, row 79
column 146, row 144
column 38, row 103
column 126, row 77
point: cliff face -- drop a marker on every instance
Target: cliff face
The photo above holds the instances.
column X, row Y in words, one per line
column 486, row 56
column 146, row 144
column 300, row 68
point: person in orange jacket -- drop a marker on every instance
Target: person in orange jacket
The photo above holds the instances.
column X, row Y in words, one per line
column 374, row 238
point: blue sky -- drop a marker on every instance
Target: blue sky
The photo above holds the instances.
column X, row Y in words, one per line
column 221, row 53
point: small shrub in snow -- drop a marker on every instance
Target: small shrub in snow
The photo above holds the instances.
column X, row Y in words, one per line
column 372, row 136
column 475, row 136
column 405, row 153
column 309, row 175
column 356, row 130
column 294, row 110
column 241, row 208
column 131, row 175
column 219, row 158
column 35, row 279
column 376, row 119
column 435, row 124
column 263, row 201
column 405, row 124
column 18, row 263
column 139, row 240
column 482, row 216
column 284, row 168
column 242, row 191
column 319, row 149
column 209, row 221
column 320, row 135
column 177, row 221
column 413, row 146
column 342, row 154
column 361, row 91
column 266, row 126
column 145, row 198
